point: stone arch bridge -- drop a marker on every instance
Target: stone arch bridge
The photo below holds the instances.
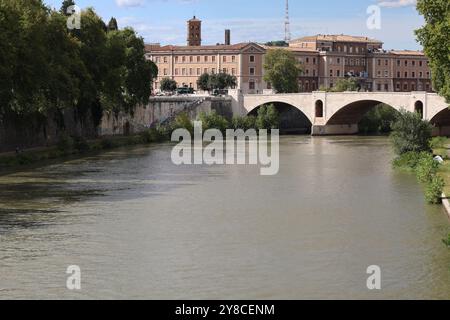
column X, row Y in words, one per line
column 340, row 113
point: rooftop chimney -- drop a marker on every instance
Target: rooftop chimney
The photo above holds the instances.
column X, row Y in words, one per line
column 227, row 37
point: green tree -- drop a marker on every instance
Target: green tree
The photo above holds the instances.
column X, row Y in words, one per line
column 410, row 133
column 280, row 43
column 112, row 25
column 378, row 120
column 435, row 38
column 343, row 85
column 221, row 81
column 203, row 82
column 268, row 117
column 65, row 5
column 282, row 70
column 168, row 85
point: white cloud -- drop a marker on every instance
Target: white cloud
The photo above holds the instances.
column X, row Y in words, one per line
column 396, row 3
column 130, row 3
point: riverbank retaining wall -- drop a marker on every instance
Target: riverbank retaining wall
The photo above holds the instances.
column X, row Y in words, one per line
column 160, row 109
column 17, row 132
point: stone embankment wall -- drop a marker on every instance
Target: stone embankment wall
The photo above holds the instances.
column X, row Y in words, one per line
column 162, row 109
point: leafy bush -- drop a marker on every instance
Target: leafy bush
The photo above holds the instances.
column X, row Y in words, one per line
column 168, row 84
column 379, row 120
column 438, row 143
column 213, row 120
column 410, row 133
column 434, row 189
column 107, row 144
column 80, row 144
column 447, row 241
column 426, row 169
column 243, row 122
column 409, row 160
column 268, row 117
column 158, row 134
column 65, row 144
column 183, row 121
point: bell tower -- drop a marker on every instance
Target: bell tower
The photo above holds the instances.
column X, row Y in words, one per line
column 194, row 32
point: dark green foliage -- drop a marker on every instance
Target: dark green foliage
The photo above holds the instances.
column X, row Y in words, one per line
column 410, row 160
column 213, row 120
column 379, row 120
column 219, row 81
column 280, row 43
column 65, row 144
column 434, row 189
column 438, row 143
column 434, row 36
column 46, row 69
column 112, row 25
column 282, row 70
column 168, row 85
column 410, row 133
column 244, row 122
column 80, row 144
column 182, row 121
column 426, row 169
column 268, row 117
column 447, row 241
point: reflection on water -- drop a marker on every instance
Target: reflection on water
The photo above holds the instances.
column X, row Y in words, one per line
column 140, row 227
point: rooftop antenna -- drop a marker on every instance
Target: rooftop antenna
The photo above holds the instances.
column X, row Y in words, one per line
column 287, row 24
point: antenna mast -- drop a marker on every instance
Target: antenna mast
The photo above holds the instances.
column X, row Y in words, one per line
column 287, row 24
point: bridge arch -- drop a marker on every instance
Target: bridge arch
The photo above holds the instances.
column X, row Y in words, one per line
column 353, row 112
column 292, row 119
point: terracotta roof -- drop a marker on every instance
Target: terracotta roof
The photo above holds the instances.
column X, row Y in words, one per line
column 238, row 46
column 337, row 38
column 295, row 49
column 407, row 52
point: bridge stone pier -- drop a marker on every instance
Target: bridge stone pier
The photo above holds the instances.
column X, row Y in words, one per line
column 339, row 113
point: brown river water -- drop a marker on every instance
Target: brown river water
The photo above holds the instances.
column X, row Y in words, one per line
column 140, row 227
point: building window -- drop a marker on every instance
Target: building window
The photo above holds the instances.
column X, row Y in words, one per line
column 176, row 71
column 386, row 73
column 251, row 85
column 205, row 70
column 420, row 63
column 233, row 71
column 413, row 74
column 233, row 58
column 252, row 71
column 406, row 74
column 213, row 58
column 379, row 87
column 338, row 73
column 386, row 87
column 331, row 72
column 191, row 59
column 224, row 58
column 165, row 71
column 307, row 60
column 198, row 58
column 386, row 62
column 183, row 71
column 165, row 59
column 176, row 59
column 198, row 71
column 206, row 58
column 398, row 86
column 379, row 62
column 252, row 58
column 406, row 63
column 183, row 59
column 398, row 74
column 398, row 63
column 314, row 60
column 420, row 74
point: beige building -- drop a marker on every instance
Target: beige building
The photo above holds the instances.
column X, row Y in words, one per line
column 325, row 59
column 185, row 64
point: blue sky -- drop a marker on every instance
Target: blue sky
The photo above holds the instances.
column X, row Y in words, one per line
column 164, row 21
